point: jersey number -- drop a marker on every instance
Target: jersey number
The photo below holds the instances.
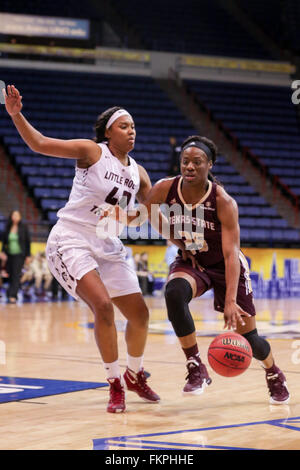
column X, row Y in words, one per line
column 123, row 202
column 193, row 241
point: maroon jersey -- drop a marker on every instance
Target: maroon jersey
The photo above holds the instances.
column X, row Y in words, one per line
column 197, row 226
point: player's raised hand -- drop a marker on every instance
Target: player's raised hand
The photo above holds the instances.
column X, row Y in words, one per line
column 13, row 100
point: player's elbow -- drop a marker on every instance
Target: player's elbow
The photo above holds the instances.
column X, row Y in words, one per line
column 38, row 144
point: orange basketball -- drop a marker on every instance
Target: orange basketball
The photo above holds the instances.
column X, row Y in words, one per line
column 229, row 354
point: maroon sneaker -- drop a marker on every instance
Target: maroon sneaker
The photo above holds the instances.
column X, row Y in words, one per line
column 276, row 381
column 138, row 383
column 116, row 402
column 197, row 378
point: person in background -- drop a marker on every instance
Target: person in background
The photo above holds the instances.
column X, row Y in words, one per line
column 3, row 260
column 129, row 257
column 149, row 275
column 145, row 278
column 38, row 271
column 141, row 273
column 3, row 273
column 55, row 288
column 16, row 246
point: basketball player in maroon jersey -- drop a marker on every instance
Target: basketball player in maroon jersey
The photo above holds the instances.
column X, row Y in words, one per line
column 207, row 224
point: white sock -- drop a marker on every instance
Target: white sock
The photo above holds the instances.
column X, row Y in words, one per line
column 135, row 363
column 112, row 369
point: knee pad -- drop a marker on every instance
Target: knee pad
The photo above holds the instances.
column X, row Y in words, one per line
column 178, row 294
column 260, row 347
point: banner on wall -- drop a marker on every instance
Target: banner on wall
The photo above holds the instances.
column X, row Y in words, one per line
column 275, row 273
column 235, row 63
column 44, row 26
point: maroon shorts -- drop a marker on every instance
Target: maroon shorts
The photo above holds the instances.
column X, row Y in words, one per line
column 213, row 277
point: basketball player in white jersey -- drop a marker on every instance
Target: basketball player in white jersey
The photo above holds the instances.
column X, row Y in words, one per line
column 88, row 265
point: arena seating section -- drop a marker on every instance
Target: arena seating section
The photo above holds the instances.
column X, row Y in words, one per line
column 279, row 19
column 65, row 105
column 264, row 120
column 177, row 27
column 164, row 25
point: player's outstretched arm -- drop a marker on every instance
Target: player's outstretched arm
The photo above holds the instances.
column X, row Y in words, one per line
column 152, row 202
column 159, row 222
column 228, row 216
column 84, row 149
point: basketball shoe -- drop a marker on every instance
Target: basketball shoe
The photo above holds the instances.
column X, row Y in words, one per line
column 276, row 381
column 138, row 383
column 197, row 377
column 116, row 402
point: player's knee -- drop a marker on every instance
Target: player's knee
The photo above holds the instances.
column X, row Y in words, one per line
column 178, row 294
column 178, row 291
column 260, row 347
column 103, row 311
column 140, row 319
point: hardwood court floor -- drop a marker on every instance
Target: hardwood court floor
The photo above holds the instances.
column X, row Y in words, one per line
column 53, row 393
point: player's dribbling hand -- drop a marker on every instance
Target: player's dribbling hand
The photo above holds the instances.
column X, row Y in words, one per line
column 13, row 100
column 233, row 315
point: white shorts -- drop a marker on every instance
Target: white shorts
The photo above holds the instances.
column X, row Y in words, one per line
column 73, row 250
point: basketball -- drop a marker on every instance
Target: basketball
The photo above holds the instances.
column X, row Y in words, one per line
column 229, row 354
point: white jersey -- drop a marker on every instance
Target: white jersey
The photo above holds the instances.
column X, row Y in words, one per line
column 104, row 184
column 76, row 246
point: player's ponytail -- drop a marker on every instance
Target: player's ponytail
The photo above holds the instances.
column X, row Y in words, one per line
column 213, row 179
column 100, row 125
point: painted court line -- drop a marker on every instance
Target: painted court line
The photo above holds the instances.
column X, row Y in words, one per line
column 141, row 441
